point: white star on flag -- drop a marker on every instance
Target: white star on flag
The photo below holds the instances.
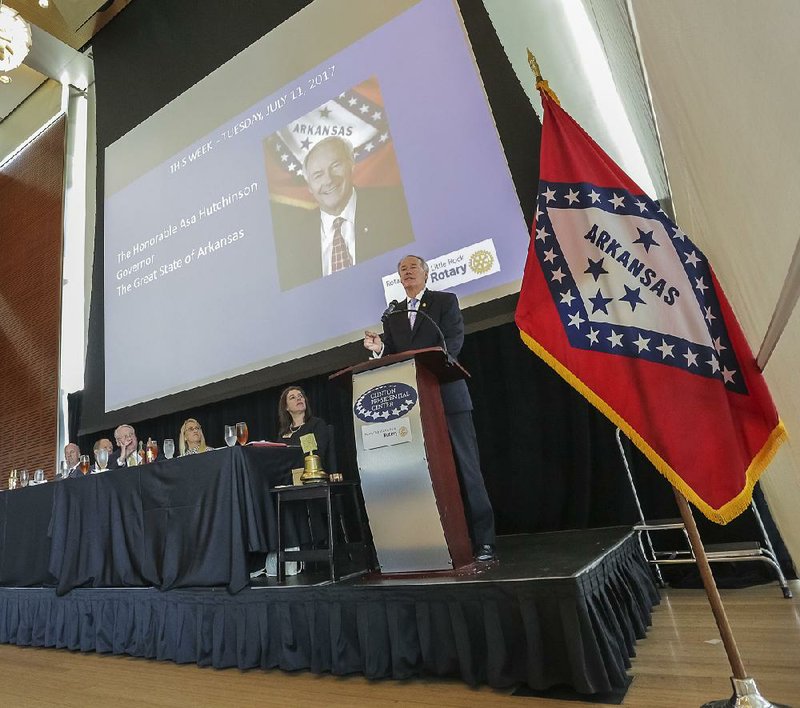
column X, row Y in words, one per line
column 642, row 207
column 576, row 320
column 727, row 375
column 592, row 336
column 541, row 234
column 714, row 364
column 615, row 339
column 572, row 197
column 691, row 357
column 594, row 196
column 558, row 275
column 617, row 200
column 643, row 343
column 549, row 256
column 567, row 298
column 550, row 195
column 665, row 349
column 693, row 259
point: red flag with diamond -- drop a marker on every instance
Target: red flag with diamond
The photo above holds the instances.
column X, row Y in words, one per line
column 620, row 302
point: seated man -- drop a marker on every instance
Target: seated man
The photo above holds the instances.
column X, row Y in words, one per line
column 72, row 454
column 126, row 455
column 107, row 445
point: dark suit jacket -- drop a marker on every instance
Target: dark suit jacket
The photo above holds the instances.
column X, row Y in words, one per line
column 382, row 224
column 443, row 309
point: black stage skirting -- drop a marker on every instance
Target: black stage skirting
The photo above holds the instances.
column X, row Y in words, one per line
column 561, row 608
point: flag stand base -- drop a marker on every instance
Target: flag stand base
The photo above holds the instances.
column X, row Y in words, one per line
column 745, row 695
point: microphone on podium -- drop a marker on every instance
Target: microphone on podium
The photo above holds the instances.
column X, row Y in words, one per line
column 393, row 305
column 393, row 310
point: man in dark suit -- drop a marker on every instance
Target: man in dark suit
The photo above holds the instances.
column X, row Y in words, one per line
column 72, row 454
column 350, row 226
column 403, row 332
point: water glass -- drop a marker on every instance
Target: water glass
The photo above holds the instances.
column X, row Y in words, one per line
column 169, row 448
column 13, row 479
column 101, row 456
column 230, row 435
column 241, row 433
column 38, row 476
column 23, row 478
column 63, row 469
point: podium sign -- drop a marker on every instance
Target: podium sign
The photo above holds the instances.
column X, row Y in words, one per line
column 393, row 465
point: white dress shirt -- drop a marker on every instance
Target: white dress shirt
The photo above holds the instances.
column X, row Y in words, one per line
column 348, row 232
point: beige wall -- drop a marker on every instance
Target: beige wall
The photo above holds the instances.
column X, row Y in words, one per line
column 723, row 75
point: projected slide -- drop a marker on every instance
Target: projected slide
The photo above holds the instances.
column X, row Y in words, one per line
column 260, row 216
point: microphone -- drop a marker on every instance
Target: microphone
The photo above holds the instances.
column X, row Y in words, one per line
column 393, row 305
column 392, row 310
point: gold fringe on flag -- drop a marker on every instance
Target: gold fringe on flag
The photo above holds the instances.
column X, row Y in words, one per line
column 728, row 511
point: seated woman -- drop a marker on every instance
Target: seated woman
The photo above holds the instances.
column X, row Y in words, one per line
column 295, row 420
column 191, row 439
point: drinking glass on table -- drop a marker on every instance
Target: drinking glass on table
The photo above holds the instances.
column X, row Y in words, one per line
column 23, row 478
column 169, row 448
column 152, row 450
column 13, row 479
column 101, row 456
column 84, row 464
column 241, row 433
column 38, row 476
column 63, row 469
column 230, row 435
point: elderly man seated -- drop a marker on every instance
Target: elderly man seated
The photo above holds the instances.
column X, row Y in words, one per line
column 126, row 455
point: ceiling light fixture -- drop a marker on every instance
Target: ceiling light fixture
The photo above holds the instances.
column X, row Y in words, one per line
column 44, row 3
column 15, row 38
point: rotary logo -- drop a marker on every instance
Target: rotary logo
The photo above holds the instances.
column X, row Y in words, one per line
column 385, row 402
column 481, row 261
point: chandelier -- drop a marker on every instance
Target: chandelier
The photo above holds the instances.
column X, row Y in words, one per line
column 15, row 38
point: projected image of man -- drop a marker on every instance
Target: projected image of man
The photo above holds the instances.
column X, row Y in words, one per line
column 329, row 173
column 351, row 224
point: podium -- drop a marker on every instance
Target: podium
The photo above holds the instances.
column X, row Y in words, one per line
column 408, row 476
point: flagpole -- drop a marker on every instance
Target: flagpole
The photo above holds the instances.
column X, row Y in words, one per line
column 714, row 599
column 745, row 691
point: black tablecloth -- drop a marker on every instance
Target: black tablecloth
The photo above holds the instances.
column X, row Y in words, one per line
column 174, row 523
column 24, row 545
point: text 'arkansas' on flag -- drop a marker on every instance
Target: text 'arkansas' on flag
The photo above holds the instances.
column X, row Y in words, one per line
column 620, row 302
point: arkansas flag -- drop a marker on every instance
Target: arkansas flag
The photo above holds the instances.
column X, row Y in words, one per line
column 620, row 302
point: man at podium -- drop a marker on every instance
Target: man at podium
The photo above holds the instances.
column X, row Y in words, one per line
column 407, row 329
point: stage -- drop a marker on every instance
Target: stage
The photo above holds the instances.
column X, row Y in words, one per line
column 561, row 608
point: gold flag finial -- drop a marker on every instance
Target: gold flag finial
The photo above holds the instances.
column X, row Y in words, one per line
column 541, row 84
column 534, row 66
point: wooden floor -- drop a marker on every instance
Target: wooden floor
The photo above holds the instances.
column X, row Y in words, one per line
column 681, row 663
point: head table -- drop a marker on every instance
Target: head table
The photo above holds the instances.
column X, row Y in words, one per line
column 186, row 522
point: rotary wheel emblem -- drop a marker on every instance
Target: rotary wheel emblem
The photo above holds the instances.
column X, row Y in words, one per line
column 481, row 262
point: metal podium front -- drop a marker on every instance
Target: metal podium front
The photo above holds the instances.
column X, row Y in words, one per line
column 393, row 465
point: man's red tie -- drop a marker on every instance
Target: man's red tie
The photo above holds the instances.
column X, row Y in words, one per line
column 340, row 256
